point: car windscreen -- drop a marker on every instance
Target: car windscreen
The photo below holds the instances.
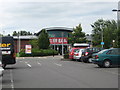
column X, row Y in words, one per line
column 75, row 50
column 102, row 51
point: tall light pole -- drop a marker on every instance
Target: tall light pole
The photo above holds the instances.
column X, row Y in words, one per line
column 102, row 43
column 118, row 13
column 62, row 44
column 118, row 16
column 18, row 44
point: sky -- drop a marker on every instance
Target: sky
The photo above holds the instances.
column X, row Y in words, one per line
column 34, row 15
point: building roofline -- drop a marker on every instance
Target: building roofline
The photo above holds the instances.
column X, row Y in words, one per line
column 57, row 28
column 62, row 28
column 25, row 37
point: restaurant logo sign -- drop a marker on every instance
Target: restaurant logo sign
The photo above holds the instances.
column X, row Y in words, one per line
column 57, row 40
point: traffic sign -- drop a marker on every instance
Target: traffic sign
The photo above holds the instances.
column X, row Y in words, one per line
column 102, row 43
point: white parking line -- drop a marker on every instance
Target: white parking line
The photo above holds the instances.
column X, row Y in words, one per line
column 11, row 76
column 29, row 65
column 26, row 62
column 58, row 64
column 39, row 63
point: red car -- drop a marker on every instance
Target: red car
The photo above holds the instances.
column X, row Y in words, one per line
column 76, row 47
column 72, row 52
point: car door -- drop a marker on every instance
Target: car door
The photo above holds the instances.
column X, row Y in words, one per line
column 118, row 56
column 113, row 56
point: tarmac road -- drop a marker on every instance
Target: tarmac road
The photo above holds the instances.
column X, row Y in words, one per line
column 49, row 72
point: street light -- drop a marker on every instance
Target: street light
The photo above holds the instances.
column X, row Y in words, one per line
column 102, row 43
column 19, row 44
column 118, row 14
column 62, row 45
column 114, row 10
column 113, row 43
column 117, row 10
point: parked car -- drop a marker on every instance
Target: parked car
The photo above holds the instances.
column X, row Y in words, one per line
column 107, row 57
column 78, row 54
column 1, row 69
column 72, row 51
column 87, row 54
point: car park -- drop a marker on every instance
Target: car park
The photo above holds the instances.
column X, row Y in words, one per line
column 78, row 54
column 107, row 58
column 87, row 54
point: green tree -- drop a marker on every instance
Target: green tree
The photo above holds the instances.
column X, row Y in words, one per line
column 15, row 33
column 43, row 40
column 1, row 35
column 118, row 39
column 77, row 36
column 34, row 43
column 109, row 30
column 22, row 33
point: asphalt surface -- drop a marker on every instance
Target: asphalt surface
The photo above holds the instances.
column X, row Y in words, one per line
column 49, row 72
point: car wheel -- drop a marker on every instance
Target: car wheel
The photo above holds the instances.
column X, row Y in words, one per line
column 106, row 63
column 90, row 60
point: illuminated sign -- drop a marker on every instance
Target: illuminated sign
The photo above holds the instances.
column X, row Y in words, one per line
column 56, row 40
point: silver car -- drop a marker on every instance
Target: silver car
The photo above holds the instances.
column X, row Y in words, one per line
column 78, row 54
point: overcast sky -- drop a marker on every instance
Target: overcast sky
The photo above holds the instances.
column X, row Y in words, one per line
column 34, row 15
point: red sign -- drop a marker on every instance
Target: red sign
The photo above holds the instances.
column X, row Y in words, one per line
column 56, row 40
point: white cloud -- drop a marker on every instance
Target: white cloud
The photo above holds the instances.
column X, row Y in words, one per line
column 33, row 16
column 59, row 0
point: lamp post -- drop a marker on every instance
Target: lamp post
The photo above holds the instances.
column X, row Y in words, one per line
column 102, row 43
column 62, row 44
column 118, row 13
column 115, row 10
column 18, row 43
column 113, row 43
column 118, row 16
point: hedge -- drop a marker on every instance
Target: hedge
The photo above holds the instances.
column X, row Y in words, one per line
column 66, row 56
column 37, row 52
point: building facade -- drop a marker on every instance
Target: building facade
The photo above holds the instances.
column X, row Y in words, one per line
column 58, row 37
column 21, row 41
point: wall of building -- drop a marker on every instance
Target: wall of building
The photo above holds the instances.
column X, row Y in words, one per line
column 23, row 42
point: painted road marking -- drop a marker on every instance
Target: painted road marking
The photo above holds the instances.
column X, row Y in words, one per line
column 58, row 64
column 28, row 64
column 39, row 63
column 12, row 83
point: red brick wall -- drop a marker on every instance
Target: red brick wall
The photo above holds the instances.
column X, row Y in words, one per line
column 22, row 44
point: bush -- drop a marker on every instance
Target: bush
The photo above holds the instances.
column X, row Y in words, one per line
column 66, row 56
column 37, row 52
